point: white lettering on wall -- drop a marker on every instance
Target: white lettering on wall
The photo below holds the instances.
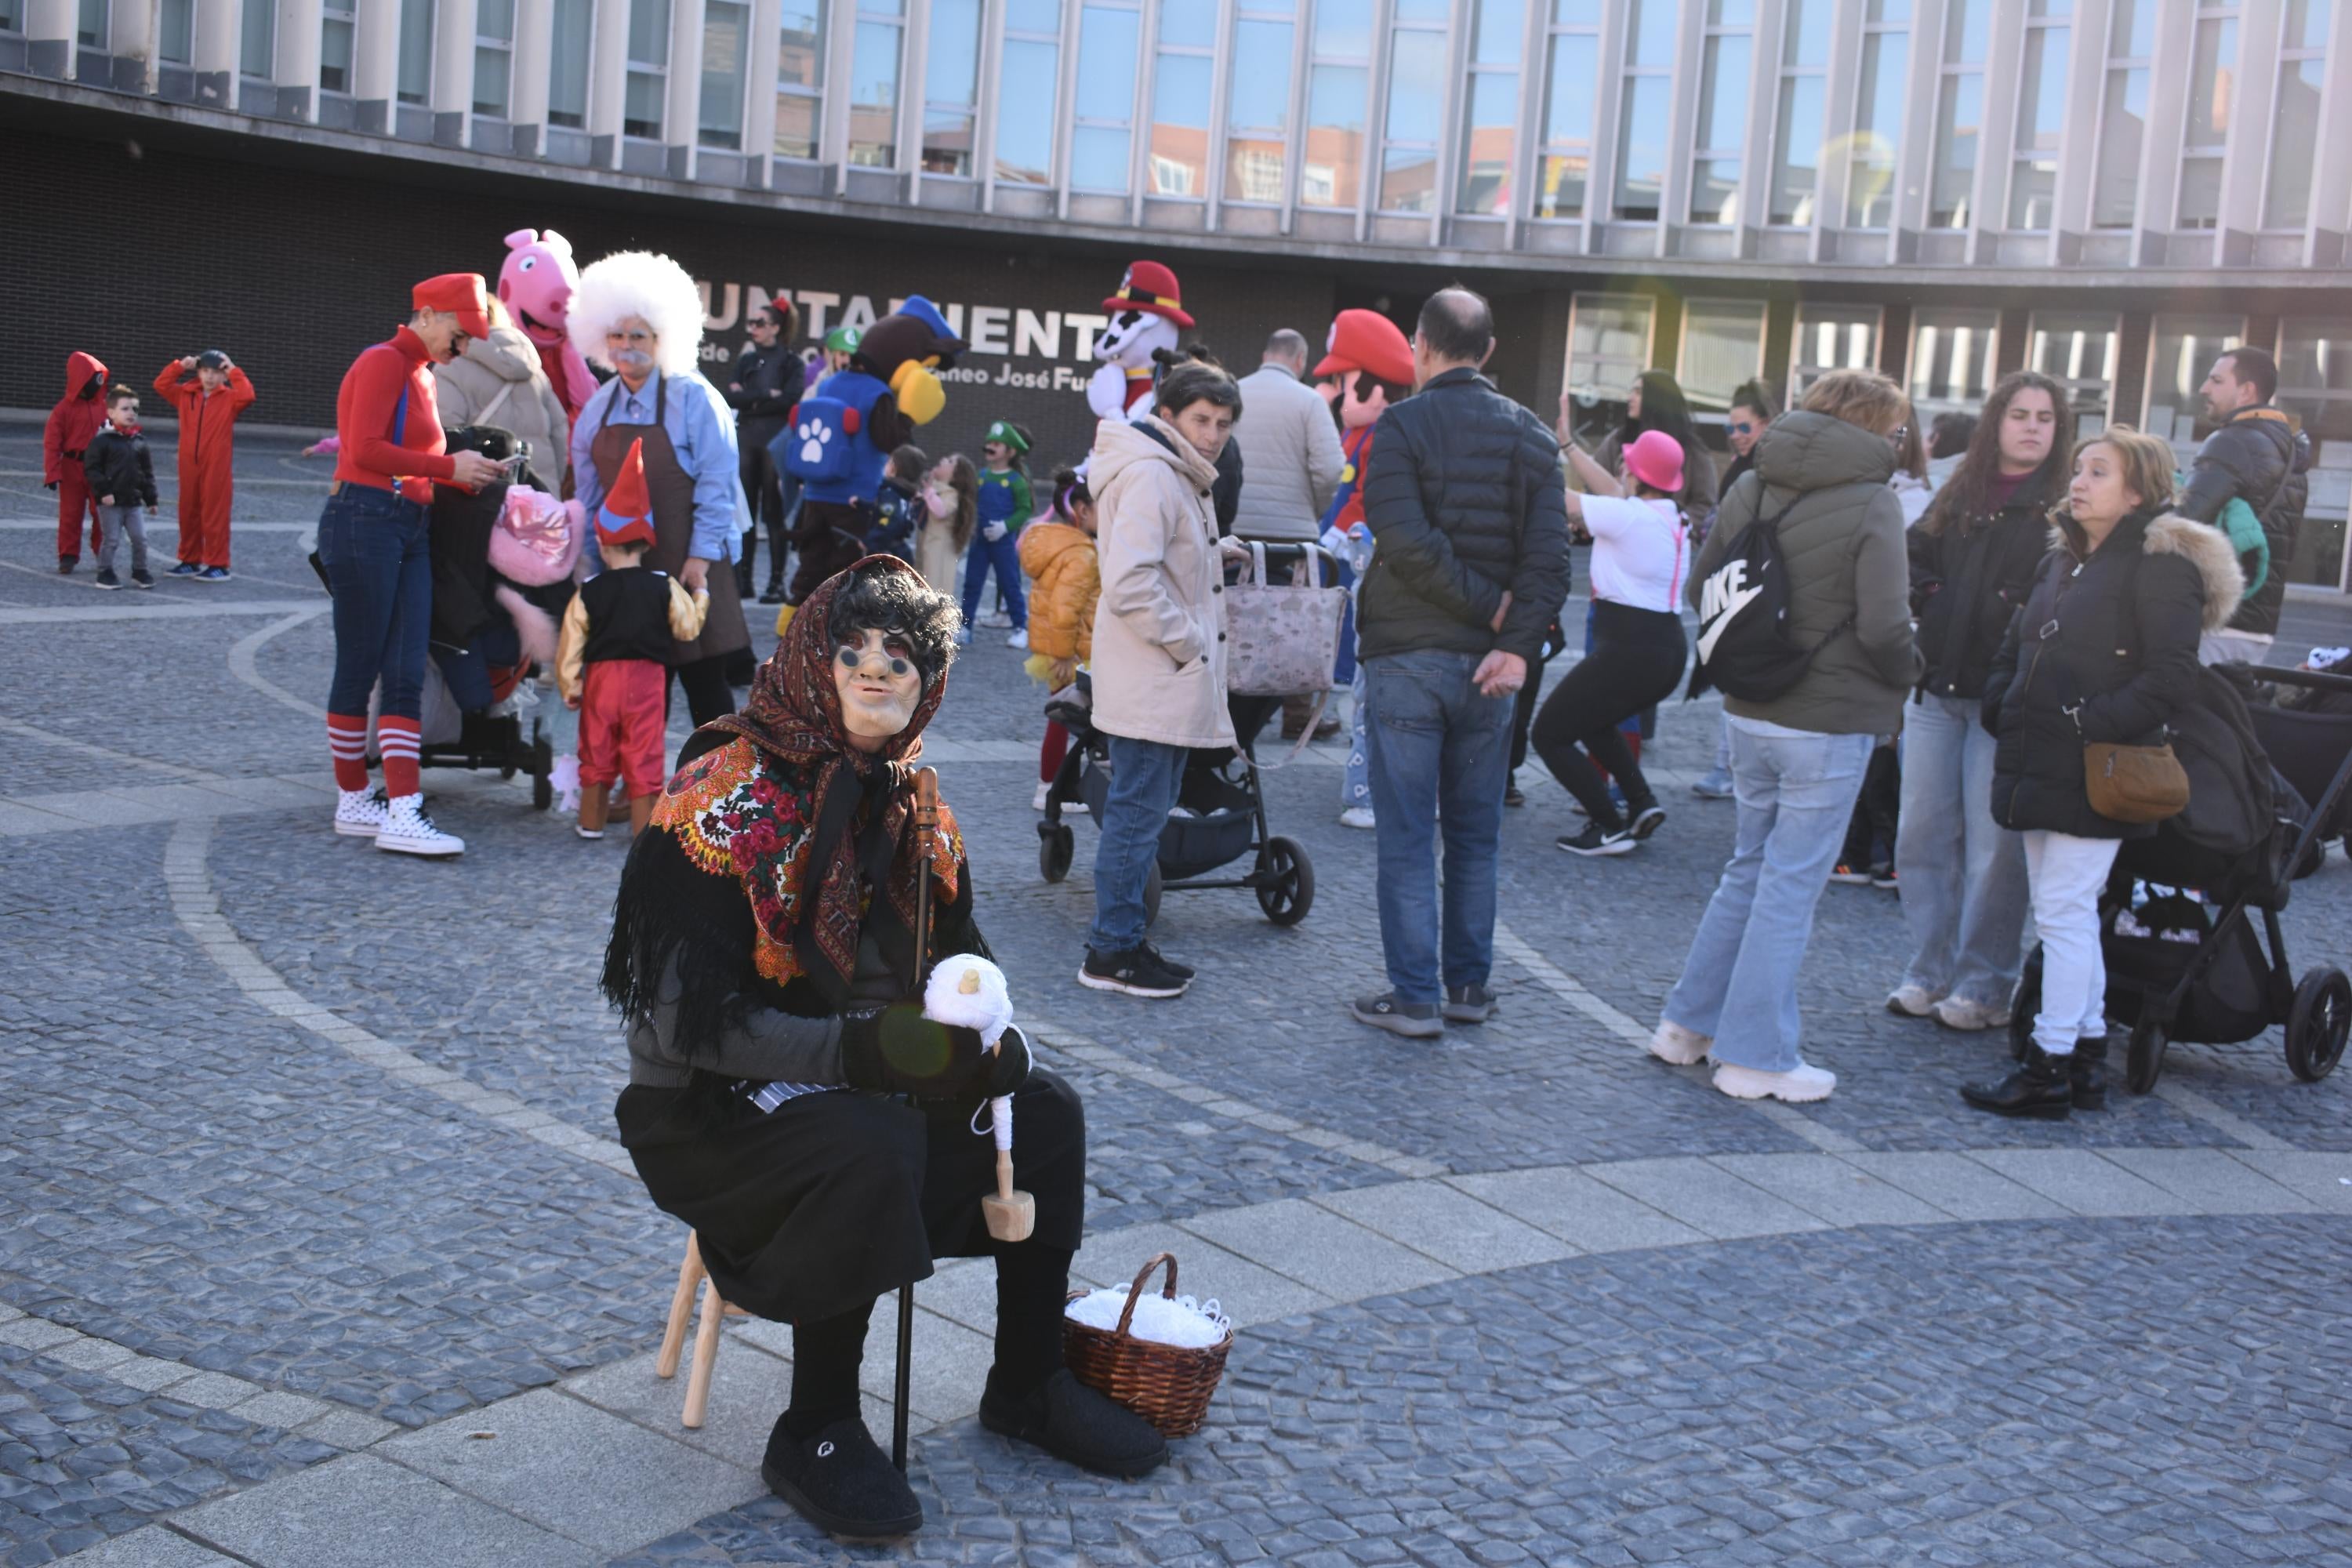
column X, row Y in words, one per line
column 988, row 326
column 1032, row 334
column 1016, row 332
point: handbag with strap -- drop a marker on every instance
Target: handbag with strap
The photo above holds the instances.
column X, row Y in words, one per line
column 1282, row 639
column 2133, row 783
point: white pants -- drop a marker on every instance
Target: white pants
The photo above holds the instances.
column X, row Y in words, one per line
column 2066, row 875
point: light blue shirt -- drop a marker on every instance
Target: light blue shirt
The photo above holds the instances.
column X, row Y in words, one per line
column 701, row 428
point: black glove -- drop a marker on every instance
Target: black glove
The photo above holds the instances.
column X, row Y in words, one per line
column 1008, row 1070
column 898, row 1051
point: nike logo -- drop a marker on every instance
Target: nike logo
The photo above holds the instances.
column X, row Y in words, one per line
column 1733, row 603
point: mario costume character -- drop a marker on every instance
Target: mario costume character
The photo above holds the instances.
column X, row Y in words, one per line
column 1146, row 315
column 839, row 438
column 208, row 393
column 612, row 661
column 79, row 415
column 536, row 285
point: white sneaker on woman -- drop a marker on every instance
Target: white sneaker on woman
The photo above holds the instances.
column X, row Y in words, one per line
column 408, row 831
column 1673, row 1043
column 1357, row 817
column 1800, row 1083
column 1957, row 1013
column 1909, row 1001
column 359, row 813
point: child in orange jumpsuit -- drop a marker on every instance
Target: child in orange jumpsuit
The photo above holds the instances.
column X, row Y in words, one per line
column 207, row 408
column 78, row 416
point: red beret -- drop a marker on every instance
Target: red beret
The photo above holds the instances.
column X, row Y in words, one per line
column 463, row 292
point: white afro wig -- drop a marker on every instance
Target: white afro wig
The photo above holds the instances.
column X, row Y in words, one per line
column 639, row 283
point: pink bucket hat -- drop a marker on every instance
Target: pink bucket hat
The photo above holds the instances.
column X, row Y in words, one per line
column 1656, row 459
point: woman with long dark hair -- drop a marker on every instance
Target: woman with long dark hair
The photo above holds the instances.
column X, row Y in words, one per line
column 1656, row 402
column 1973, row 558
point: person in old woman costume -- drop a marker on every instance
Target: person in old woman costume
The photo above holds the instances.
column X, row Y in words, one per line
column 786, row 1097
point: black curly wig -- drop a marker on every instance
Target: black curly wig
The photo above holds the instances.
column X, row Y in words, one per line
column 885, row 598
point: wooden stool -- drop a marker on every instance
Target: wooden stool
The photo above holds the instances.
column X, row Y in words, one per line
column 691, row 1273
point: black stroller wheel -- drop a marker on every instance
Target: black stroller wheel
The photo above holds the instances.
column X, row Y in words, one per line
column 542, row 770
column 2028, row 1002
column 1285, row 882
column 2318, row 1023
column 2145, row 1064
column 1056, row 846
column 1153, row 886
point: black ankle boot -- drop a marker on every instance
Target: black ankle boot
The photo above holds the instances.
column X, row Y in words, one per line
column 2039, row 1087
column 1071, row 1421
column 841, row 1481
column 2086, row 1074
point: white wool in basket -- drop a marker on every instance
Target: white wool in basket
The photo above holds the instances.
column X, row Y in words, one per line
column 1184, row 1322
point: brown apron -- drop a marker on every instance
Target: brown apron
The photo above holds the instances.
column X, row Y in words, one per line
column 670, row 488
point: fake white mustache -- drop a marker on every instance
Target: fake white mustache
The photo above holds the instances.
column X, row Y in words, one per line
column 635, row 358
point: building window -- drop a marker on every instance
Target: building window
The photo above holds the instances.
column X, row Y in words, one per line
column 2077, row 350
column 874, row 66
column 1797, row 124
column 800, row 78
column 1642, row 116
column 573, row 25
column 647, row 92
column 413, row 76
column 1339, row 86
column 1960, row 114
column 1723, row 345
column 1607, row 346
column 1952, row 360
column 2040, row 115
column 334, row 43
column 2123, row 114
column 726, row 40
column 2315, row 386
column 256, row 52
column 1724, row 55
column 1572, row 69
column 1180, row 100
column 2205, row 131
column 1878, row 114
column 951, row 86
column 1257, row 117
column 175, row 28
column 1027, row 92
column 1099, row 145
column 2295, row 114
column 1416, row 108
column 12, row 16
column 89, row 23
column 494, row 54
column 2183, row 348
column 1831, row 337
column 1490, row 109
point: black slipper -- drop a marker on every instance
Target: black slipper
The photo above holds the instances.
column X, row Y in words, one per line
column 842, row 1482
column 1071, row 1421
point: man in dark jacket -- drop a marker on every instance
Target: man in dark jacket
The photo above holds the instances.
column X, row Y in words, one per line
column 766, row 383
column 2257, row 457
column 1469, row 525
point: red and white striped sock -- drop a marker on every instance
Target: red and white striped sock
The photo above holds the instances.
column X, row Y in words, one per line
column 395, row 739
column 347, row 740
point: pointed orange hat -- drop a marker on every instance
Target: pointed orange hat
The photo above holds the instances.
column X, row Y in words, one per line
column 626, row 517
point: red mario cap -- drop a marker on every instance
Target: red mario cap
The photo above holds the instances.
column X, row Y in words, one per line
column 463, row 292
column 626, row 516
column 1148, row 286
column 1367, row 340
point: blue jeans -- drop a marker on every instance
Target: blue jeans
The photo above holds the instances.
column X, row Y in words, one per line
column 372, row 544
column 1143, row 779
column 1739, row 983
column 1962, row 874
column 1437, row 749
column 1006, row 556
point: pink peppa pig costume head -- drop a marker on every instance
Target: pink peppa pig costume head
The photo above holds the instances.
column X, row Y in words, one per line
column 537, row 283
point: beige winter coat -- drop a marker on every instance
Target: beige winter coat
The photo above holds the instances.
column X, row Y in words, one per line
column 507, row 362
column 1160, row 626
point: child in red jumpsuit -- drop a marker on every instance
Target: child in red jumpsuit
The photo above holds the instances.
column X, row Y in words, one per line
column 75, row 418
column 613, row 659
column 207, row 408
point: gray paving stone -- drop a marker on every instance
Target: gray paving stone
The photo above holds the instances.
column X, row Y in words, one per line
column 37, row 1334
column 153, row 1547
column 1332, row 1256
column 2080, row 1179
column 1705, row 1198
column 2323, row 1180
column 749, row 1389
column 278, row 1408
column 1448, row 1224
column 950, row 1364
column 347, row 1429
column 148, row 1372
column 1588, row 1214
column 361, row 1512
column 2209, row 1181
column 215, row 1391
column 90, row 1354
column 1830, row 1188
column 1960, row 1186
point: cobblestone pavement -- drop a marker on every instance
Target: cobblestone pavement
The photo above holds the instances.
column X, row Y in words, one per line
column 311, row 1186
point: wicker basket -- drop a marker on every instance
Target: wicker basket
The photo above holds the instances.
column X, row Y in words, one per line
column 1168, row 1385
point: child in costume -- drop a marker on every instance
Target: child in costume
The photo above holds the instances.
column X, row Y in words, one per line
column 1005, row 503
column 613, row 660
column 898, row 505
column 75, row 418
column 951, row 517
column 121, row 480
column 1058, row 554
column 208, row 393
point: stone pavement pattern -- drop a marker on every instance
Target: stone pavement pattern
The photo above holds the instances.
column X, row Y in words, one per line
column 317, row 1248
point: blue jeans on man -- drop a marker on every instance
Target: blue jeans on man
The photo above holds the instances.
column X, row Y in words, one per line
column 1438, row 756
column 1144, row 776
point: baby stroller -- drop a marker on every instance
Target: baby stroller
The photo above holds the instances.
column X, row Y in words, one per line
column 2179, row 971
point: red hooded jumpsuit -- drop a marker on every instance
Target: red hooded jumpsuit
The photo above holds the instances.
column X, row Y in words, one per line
column 207, row 436
column 72, row 423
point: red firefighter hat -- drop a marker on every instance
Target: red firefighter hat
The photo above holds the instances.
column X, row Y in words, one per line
column 1148, row 286
column 626, row 517
column 1367, row 340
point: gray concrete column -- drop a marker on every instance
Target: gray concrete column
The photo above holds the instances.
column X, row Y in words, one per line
column 375, row 64
column 2326, row 243
column 219, row 46
column 760, row 51
column 133, row 37
column 608, row 82
column 453, row 71
column 534, row 48
column 50, row 28
column 682, row 97
column 299, row 23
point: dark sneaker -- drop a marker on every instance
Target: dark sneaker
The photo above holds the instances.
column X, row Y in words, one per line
column 1885, row 876
column 1181, row 971
column 66, row 564
column 774, row 595
column 1512, row 793
column 1598, row 840
column 143, row 579
column 186, row 569
column 1413, row 1020
column 212, row 575
column 1138, row 972
column 106, row 579
column 1646, row 819
column 841, row 1482
column 1073, row 1422
column 1851, row 875
column 1468, row 1005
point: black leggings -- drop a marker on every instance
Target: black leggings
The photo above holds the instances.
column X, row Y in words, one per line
column 1636, row 660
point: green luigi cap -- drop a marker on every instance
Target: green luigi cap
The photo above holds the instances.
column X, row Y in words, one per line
column 1001, row 431
column 844, row 339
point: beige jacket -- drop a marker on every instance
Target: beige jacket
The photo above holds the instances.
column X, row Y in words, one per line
column 506, row 362
column 1159, row 637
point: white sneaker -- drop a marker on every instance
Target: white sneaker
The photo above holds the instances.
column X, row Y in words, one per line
column 1955, row 1013
column 1909, row 1001
column 1019, row 639
column 1037, row 801
column 408, row 831
column 359, row 813
column 1673, row 1043
column 587, row 832
column 1801, row 1083
column 1358, row 816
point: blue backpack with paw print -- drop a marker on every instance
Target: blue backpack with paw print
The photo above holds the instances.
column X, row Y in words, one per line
column 826, row 445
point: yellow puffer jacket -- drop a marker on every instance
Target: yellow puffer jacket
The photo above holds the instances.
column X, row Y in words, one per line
column 1059, row 557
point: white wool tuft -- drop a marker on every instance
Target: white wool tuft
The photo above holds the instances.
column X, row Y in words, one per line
column 639, row 283
column 986, row 1010
column 1184, row 1322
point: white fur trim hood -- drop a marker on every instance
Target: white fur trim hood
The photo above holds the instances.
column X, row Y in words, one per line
column 639, row 283
column 2203, row 546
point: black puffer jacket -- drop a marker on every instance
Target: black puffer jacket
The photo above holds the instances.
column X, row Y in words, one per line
column 118, row 464
column 1968, row 579
column 1466, row 503
column 2259, row 458
column 771, row 381
column 2113, row 637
